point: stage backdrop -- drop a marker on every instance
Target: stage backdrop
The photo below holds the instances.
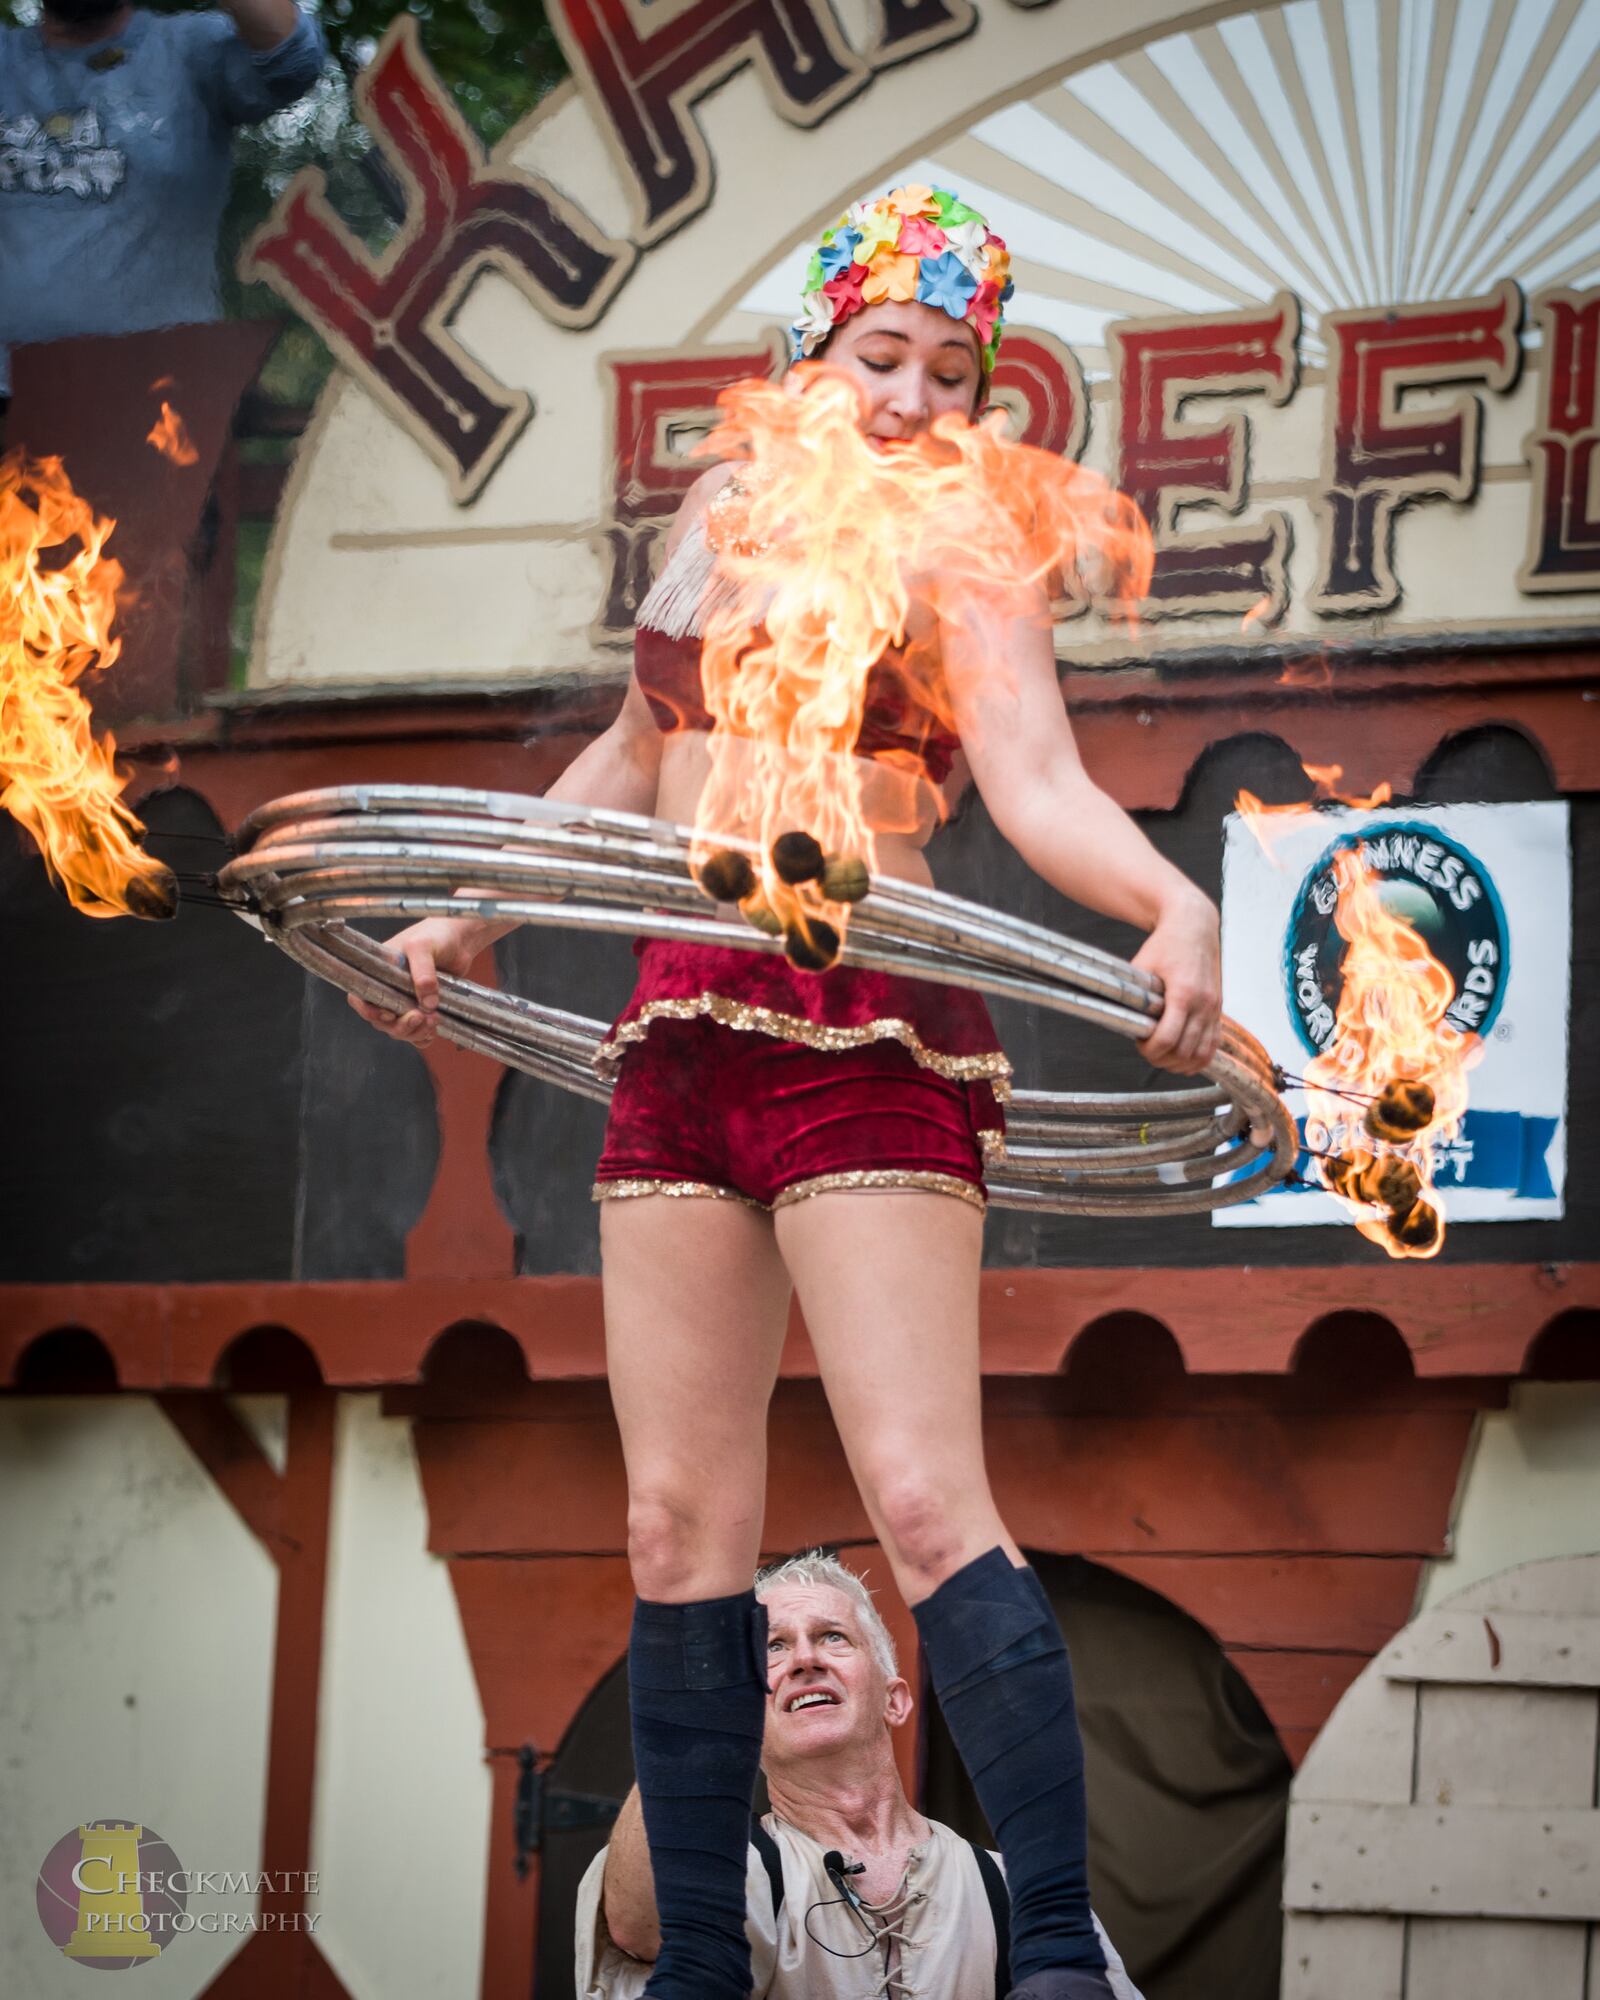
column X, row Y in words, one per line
column 1308, row 281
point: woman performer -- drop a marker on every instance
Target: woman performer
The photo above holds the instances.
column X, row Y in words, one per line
column 773, row 1128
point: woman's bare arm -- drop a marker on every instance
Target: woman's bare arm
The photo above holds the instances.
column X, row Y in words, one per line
column 620, row 769
column 1000, row 668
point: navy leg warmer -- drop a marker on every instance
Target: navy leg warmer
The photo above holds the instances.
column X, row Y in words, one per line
column 999, row 1667
column 698, row 1688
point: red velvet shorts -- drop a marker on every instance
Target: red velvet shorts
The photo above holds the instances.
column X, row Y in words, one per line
column 704, row 1109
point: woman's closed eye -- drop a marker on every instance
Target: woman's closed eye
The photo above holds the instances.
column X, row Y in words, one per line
column 951, row 382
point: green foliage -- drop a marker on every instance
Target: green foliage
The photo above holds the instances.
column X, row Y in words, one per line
column 498, row 62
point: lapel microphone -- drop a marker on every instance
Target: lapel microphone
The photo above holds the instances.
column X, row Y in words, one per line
column 834, row 1867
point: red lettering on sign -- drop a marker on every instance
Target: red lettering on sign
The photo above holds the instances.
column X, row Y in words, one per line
column 388, row 317
column 1167, row 462
column 1564, row 529
column 644, row 81
column 913, row 27
column 661, row 404
column 1377, row 458
column 1040, row 380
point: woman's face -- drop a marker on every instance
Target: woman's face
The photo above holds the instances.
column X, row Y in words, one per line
column 912, row 362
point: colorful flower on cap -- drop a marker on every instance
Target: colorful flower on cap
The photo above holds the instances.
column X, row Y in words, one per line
column 814, row 325
column 880, row 230
column 844, row 292
column 838, row 254
column 913, row 200
column 967, row 240
column 996, row 259
column 915, row 243
column 984, row 310
column 890, row 276
column 952, row 209
column 947, row 283
column 922, row 237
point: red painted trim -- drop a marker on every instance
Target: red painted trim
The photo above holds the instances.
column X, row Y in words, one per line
column 511, row 1907
column 1141, row 729
column 1142, row 749
column 463, row 1230
column 289, row 1513
column 1456, row 1319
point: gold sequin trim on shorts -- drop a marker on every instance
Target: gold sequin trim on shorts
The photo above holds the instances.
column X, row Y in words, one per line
column 624, row 1190
column 990, row 1067
column 882, row 1177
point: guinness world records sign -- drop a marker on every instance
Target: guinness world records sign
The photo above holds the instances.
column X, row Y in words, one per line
column 1489, row 888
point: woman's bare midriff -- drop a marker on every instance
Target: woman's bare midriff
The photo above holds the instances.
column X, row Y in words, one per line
column 902, row 810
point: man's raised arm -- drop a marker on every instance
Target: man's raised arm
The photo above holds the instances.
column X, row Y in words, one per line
column 630, row 1887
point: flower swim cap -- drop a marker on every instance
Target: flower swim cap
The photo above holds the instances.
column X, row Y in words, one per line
column 915, row 243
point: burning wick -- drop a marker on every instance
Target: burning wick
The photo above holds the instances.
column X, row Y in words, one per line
column 727, row 877
column 1401, row 1110
column 798, row 857
column 811, row 943
column 845, row 878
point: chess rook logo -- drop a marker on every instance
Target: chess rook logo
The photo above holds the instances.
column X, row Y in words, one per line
column 104, row 1897
column 1438, row 887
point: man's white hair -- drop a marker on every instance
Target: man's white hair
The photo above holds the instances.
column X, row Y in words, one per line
column 816, row 1567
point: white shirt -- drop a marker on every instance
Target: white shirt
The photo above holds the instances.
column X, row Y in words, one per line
column 935, row 1937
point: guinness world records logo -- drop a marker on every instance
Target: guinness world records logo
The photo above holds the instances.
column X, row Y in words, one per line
column 1436, row 885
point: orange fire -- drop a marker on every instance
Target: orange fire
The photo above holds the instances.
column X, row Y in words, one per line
column 1262, row 818
column 1388, row 1094
column 1403, row 1065
column 58, row 600
column 846, row 554
column 170, row 436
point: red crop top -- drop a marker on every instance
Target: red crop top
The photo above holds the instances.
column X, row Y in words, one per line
column 893, row 721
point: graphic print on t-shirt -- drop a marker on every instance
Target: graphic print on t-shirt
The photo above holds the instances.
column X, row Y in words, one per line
column 64, row 154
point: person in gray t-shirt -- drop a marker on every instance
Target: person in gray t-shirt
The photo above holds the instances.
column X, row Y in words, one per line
column 115, row 133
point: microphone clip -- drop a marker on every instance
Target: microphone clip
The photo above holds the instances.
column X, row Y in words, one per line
column 837, row 1869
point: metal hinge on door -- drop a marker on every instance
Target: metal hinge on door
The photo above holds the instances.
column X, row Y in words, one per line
column 541, row 1809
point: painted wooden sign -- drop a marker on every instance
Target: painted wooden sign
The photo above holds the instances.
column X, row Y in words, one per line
column 1333, row 323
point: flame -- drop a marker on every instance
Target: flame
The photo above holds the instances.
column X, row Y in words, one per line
column 1390, row 1036
column 1312, row 673
column 1261, row 818
column 58, row 599
column 834, row 543
column 170, row 436
column 1258, row 614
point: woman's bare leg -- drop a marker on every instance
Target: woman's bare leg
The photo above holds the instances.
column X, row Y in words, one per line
column 889, row 1286
column 888, row 1282
column 696, row 1302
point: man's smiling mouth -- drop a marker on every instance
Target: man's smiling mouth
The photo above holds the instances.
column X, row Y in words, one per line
column 811, row 1698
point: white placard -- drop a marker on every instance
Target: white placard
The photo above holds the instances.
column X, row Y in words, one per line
column 1490, row 888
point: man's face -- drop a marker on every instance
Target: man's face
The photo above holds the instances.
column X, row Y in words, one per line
column 825, row 1689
